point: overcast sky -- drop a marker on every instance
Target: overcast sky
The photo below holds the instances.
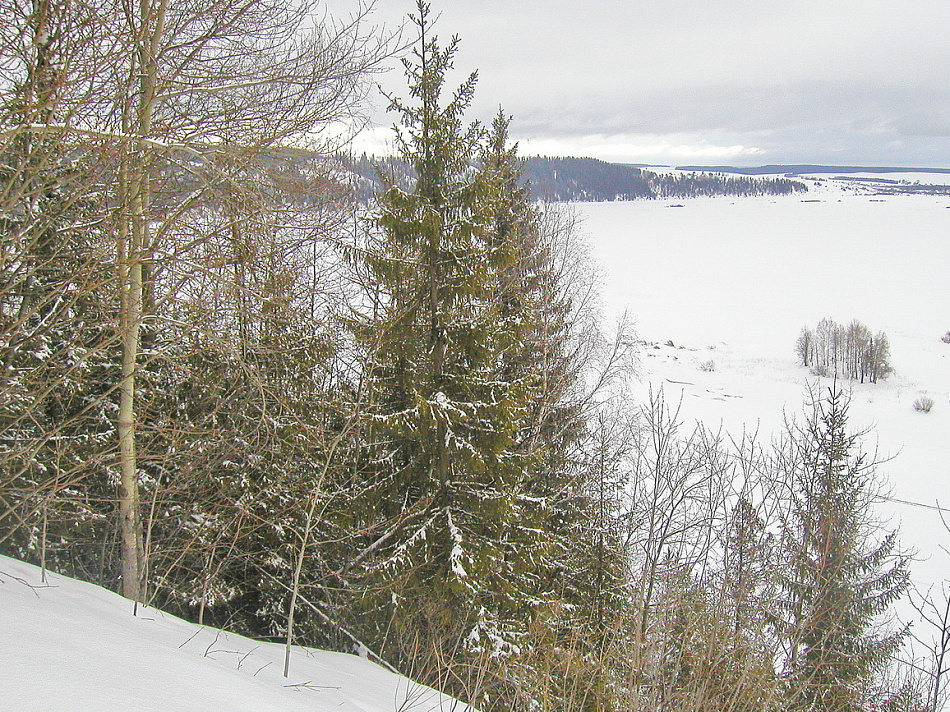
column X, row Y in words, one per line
column 740, row 82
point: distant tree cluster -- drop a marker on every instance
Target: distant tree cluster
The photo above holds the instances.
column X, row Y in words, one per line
column 589, row 179
column 586, row 179
column 850, row 351
column 695, row 185
column 371, row 175
column 549, row 179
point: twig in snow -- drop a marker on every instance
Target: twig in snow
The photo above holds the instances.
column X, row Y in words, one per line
column 194, row 635
column 211, row 645
column 31, row 586
column 310, row 686
column 246, row 656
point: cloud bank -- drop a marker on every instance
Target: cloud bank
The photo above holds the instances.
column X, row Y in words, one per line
column 744, row 80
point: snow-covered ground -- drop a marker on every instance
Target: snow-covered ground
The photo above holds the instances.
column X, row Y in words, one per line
column 69, row 645
column 731, row 282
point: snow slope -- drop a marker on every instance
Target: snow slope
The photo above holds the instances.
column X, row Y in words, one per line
column 730, row 282
column 69, row 645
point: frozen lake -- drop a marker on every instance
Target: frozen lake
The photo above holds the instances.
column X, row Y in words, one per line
column 753, row 271
column 732, row 281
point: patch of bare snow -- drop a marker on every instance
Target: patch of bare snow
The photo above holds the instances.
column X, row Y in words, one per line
column 70, row 645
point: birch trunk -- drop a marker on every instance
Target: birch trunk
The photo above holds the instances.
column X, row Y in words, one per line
column 136, row 246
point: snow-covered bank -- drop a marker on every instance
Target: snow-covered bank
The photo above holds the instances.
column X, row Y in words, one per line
column 730, row 282
column 69, row 645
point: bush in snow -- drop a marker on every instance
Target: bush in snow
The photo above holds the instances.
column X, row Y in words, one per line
column 946, row 338
column 709, row 366
column 923, row 404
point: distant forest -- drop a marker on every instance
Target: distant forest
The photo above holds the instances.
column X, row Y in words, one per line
column 593, row 180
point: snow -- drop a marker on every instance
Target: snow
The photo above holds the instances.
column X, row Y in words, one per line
column 69, row 645
column 733, row 281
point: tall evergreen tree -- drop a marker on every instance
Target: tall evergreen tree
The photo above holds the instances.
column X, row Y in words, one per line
column 459, row 545
column 839, row 584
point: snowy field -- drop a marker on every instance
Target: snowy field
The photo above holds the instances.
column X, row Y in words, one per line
column 69, row 645
column 731, row 282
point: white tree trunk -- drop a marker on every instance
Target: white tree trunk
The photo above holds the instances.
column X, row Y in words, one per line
column 133, row 253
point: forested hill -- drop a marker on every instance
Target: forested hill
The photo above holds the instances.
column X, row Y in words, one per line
column 590, row 179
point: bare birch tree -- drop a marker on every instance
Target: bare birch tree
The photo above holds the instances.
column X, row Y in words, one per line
column 212, row 89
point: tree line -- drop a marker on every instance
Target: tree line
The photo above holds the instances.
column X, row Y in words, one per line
column 233, row 390
column 589, row 179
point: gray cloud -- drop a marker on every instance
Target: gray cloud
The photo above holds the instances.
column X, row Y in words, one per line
column 796, row 78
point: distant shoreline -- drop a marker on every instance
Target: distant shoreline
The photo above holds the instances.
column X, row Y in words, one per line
column 798, row 169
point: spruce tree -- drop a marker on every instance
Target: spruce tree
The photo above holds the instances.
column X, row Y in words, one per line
column 839, row 582
column 454, row 577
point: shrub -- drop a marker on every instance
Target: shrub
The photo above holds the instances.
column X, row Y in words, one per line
column 946, row 338
column 923, row 404
column 709, row 365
